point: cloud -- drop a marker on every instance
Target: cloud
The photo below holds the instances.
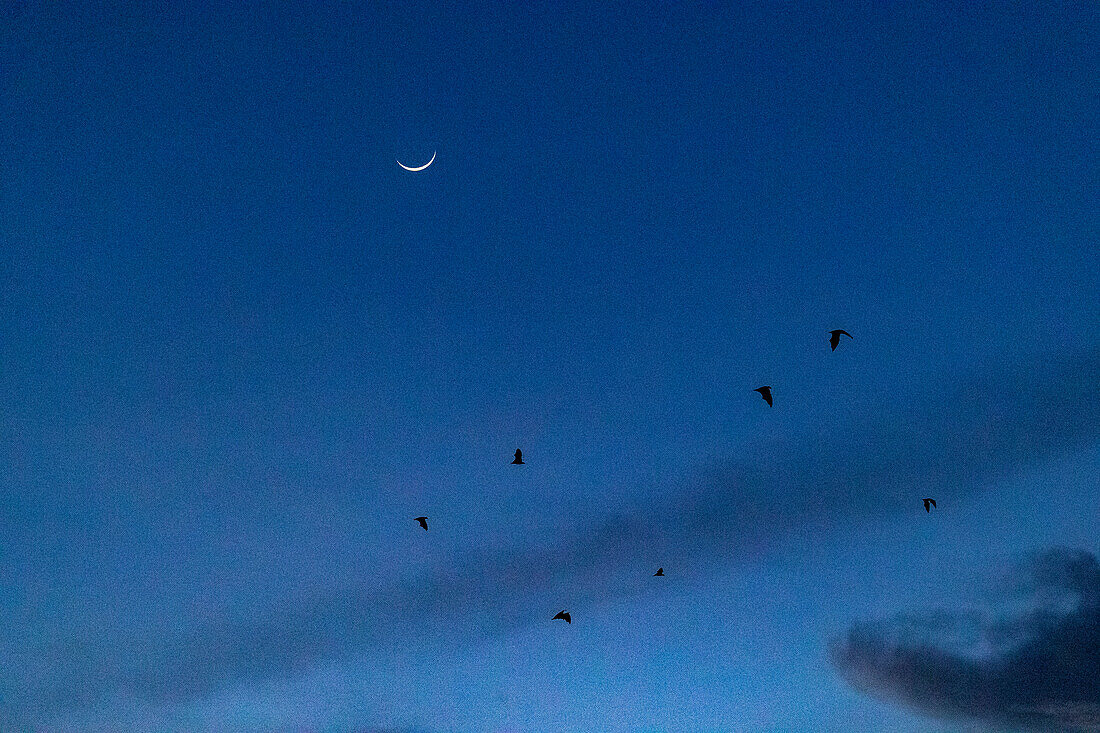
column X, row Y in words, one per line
column 958, row 438
column 961, row 436
column 1036, row 669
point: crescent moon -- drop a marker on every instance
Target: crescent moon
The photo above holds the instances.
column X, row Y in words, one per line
column 414, row 170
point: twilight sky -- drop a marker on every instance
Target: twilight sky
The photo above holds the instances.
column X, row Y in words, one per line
column 240, row 349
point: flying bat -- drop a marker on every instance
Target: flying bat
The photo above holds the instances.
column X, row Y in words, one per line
column 834, row 337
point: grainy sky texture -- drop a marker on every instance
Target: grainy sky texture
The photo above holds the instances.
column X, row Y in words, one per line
column 240, row 349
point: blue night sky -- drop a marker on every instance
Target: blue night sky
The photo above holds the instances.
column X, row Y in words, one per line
column 240, row 349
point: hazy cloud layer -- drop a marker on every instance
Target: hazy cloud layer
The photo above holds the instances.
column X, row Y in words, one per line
column 971, row 431
column 1035, row 669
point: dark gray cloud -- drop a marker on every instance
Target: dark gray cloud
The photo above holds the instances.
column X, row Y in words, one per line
column 1035, row 669
column 965, row 434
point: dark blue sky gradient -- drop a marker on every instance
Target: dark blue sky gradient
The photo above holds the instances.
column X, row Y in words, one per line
column 240, row 349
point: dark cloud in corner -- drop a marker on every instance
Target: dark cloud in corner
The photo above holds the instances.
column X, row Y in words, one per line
column 1034, row 670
